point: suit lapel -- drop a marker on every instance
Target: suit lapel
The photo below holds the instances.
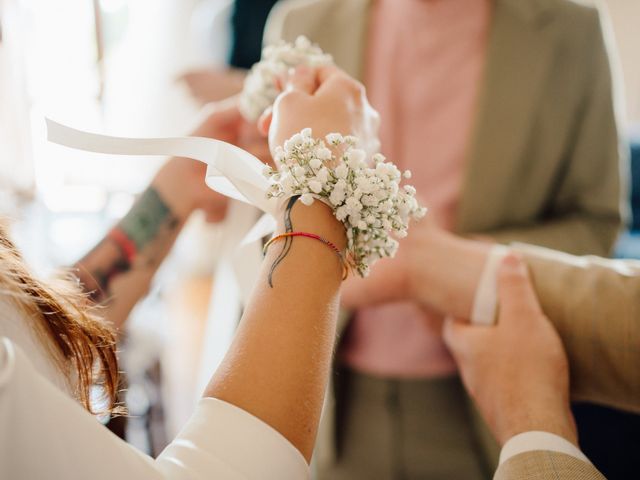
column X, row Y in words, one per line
column 519, row 53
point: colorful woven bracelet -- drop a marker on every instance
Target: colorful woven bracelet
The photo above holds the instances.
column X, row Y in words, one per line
column 331, row 245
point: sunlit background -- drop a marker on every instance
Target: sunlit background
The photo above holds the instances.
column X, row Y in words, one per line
column 113, row 66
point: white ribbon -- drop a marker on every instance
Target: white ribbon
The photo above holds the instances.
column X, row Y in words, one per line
column 231, row 171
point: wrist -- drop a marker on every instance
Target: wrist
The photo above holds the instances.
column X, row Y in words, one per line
column 174, row 194
column 318, row 219
column 454, row 267
column 552, row 417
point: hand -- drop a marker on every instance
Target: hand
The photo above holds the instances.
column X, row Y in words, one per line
column 180, row 181
column 326, row 100
column 516, row 371
column 222, row 120
column 213, row 84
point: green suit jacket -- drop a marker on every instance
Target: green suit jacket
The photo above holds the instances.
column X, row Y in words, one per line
column 544, row 164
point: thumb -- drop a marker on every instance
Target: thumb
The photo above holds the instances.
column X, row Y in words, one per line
column 516, row 294
column 460, row 337
column 264, row 122
column 303, row 79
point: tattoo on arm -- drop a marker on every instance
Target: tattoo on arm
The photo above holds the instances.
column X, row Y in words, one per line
column 286, row 247
column 129, row 244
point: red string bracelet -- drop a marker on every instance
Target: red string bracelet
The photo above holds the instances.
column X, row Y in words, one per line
column 331, row 245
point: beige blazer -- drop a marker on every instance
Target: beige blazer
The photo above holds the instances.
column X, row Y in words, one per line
column 544, row 163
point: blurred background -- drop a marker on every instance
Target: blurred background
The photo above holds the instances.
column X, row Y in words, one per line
column 145, row 68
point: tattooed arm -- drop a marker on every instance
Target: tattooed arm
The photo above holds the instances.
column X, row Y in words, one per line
column 118, row 271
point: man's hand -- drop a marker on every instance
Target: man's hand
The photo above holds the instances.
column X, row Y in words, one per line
column 517, row 371
column 181, row 180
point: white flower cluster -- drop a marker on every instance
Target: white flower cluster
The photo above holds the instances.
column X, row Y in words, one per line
column 260, row 87
column 367, row 198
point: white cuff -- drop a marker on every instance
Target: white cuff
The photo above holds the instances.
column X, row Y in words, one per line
column 530, row 441
column 485, row 302
column 224, row 441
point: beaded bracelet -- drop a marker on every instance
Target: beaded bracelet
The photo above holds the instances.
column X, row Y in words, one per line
column 331, row 245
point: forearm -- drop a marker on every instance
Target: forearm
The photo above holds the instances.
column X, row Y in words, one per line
column 450, row 267
column 278, row 365
column 445, row 270
column 118, row 271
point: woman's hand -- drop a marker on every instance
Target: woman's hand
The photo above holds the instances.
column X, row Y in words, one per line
column 326, row 100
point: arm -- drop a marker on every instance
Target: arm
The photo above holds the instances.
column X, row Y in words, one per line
column 592, row 302
column 586, row 210
column 118, row 271
column 278, row 365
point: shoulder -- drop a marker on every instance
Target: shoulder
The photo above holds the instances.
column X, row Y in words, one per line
column 571, row 15
column 18, row 326
column 290, row 18
column 577, row 15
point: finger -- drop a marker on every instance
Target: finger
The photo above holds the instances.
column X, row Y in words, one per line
column 303, row 79
column 517, row 296
column 215, row 116
column 326, row 72
column 459, row 336
column 264, row 122
column 223, row 112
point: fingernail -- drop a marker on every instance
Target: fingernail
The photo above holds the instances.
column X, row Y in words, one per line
column 514, row 264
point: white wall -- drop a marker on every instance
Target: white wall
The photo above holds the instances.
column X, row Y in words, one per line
column 625, row 16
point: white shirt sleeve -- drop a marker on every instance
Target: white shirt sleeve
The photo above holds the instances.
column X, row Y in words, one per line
column 485, row 303
column 221, row 437
column 531, row 441
column 46, row 434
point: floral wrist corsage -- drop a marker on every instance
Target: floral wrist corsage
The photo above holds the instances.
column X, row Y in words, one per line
column 367, row 199
column 261, row 88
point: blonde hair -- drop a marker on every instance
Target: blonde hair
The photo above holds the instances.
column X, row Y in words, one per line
column 83, row 344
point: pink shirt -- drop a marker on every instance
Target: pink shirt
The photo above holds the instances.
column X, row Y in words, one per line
column 424, row 64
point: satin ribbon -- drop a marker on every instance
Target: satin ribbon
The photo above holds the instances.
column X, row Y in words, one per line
column 231, row 171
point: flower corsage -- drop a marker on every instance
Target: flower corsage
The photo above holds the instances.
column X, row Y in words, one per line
column 366, row 197
column 261, row 88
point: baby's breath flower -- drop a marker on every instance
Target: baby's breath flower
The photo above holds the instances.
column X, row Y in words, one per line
column 307, row 199
column 366, row 199
column 315, row 186
column 323, row 153
column 334, row 139
column 315, row 163
column 260, row 87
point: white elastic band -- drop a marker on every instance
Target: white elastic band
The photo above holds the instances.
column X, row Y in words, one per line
column 485, row 303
